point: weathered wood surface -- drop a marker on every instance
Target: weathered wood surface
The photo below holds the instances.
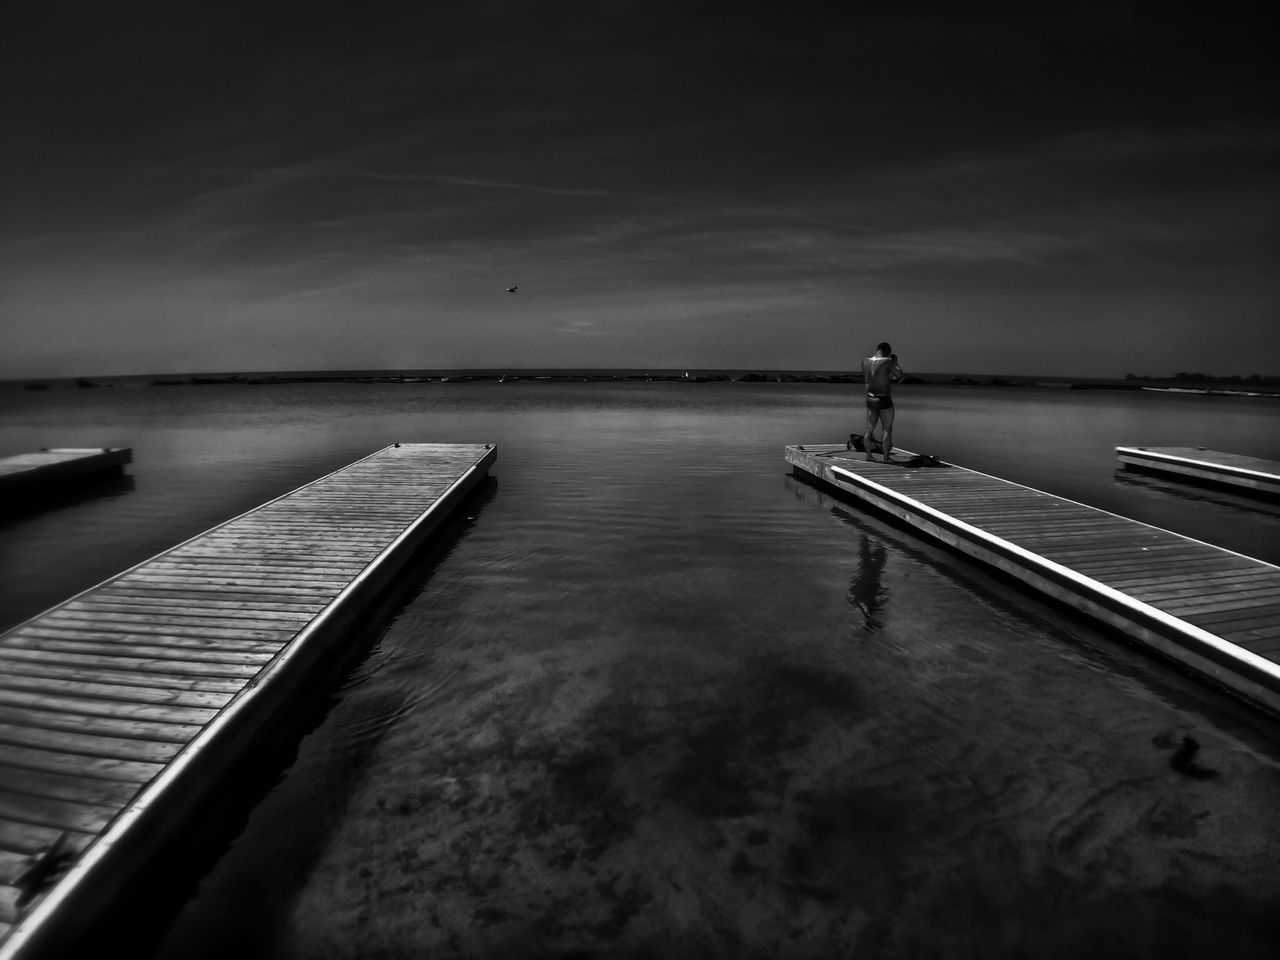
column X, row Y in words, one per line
column 122, row 706
column 1209, row 608
column 1245, row 474
column 26, row 472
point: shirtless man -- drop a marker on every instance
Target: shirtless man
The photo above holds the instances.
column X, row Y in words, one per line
column 879, row 371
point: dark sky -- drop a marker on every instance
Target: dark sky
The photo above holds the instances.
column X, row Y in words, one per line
column 1070, row 189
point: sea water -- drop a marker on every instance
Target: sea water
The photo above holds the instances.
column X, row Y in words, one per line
column 657, row 697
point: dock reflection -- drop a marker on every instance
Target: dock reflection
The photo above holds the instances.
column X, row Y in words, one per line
column 57, row 496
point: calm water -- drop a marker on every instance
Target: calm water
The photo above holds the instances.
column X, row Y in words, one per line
column 661, row 699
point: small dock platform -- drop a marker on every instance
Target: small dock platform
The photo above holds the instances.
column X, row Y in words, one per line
column 122, row 709
column 1248, row 475
column 27, row 472
column 1215, row 611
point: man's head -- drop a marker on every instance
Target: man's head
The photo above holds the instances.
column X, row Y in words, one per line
column 883, row 348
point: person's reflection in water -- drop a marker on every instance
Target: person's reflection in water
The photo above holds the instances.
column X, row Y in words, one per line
column 867, row 594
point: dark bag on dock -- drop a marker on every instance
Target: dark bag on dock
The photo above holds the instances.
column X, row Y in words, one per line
column 858, row 442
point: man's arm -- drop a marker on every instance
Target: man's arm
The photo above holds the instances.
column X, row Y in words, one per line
column 896, row 370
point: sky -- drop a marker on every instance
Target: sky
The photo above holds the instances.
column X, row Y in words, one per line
column 1059, row 189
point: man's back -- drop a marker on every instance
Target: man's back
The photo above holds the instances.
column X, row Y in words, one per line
column 879, row 373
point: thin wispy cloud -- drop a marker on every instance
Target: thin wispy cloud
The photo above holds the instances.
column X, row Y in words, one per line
column 486, row 184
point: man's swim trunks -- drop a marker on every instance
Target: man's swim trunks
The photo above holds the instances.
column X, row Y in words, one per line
column 876, row 401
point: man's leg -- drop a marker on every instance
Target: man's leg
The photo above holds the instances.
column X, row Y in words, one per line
column 871, row 429
column 886, row 421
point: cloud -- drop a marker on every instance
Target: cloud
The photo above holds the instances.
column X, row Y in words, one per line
column 487, row 184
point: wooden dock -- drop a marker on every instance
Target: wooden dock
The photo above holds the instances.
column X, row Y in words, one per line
column 1244, row 474
column 28, row 472
column 1215, row 611
column 123, row 708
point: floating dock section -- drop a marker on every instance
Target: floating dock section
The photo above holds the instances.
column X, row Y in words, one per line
column 1247, row 475
column 123, row 708
column 28, row 472
column 1213, row 610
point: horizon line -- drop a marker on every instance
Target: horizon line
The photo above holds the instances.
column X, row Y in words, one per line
column 604, row 371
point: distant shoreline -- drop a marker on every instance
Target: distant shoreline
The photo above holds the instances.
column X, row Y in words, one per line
column 1253, row 386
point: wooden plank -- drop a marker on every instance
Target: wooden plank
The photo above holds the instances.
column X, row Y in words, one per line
column 1248, row 600
column 265, row 599
column 243, row 582
column 299, row 583
column 333, row 530
column 1266, row 646
column 1122, row 573
column 1015, row 505
column 96, row 611
column 1069, row 536
column 60, row 786
column 160, row 731
column 344, row 566
column 347, row 507
column 344, row 510
column 1038, row 527
column 15, row 671
column 184, row 632
column 1243, row 632
column 110, row 699
column 1085, row 540
column 1267, row 631
column 1238, row 617
column 945, row 483
column 1019, row 498
column 1083, row 545
column 1157, row 552
column 1177, row 580
column 81, row 704
column 1224, row 588
column 348, row 529
column 969, row 493
column 1231, row 578
column 78, row 764
column 338, row 573
column 316, row 541
column 113, row 599
column 85, row 744
column 1127, row 565
column 58, row 814
column 1037, row 522
column 221, row 650
column 197, row 588
column 206, row 629
column 1243, row 636
column 25, row 839
column 175, row 668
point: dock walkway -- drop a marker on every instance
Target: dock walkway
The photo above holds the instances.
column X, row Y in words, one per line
column 1215, row 611
column 1248, row 475
column 121, row 708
